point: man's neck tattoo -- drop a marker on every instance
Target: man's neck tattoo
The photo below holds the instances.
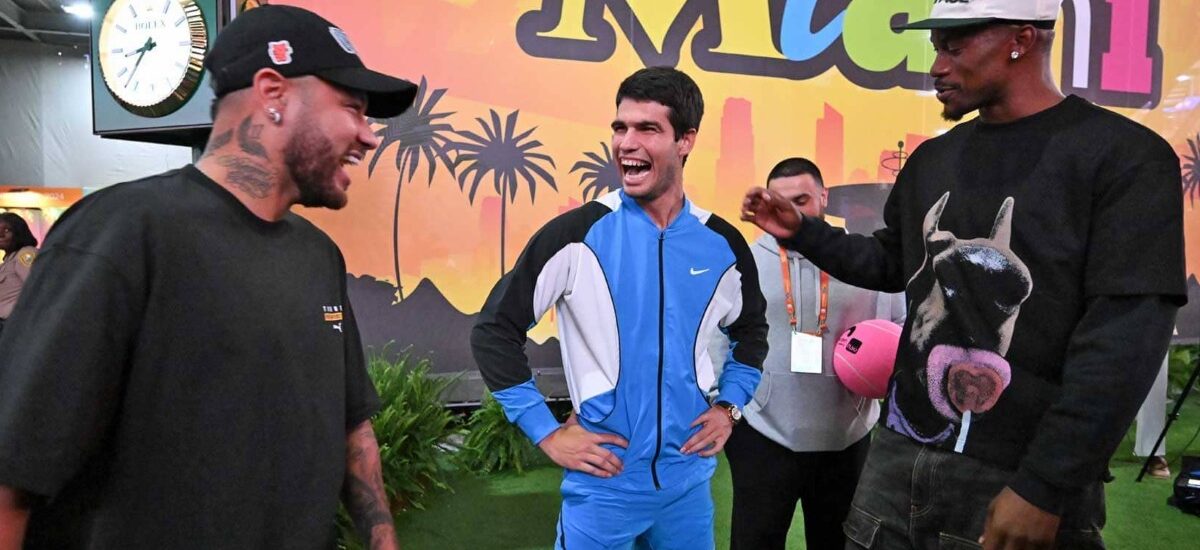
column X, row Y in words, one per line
column 251, row 172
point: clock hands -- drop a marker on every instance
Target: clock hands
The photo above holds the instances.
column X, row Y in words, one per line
column 149, row 45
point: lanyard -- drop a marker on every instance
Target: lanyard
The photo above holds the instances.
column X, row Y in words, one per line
column 822, row 314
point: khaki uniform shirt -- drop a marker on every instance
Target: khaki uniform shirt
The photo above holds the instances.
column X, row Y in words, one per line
column 13, row 273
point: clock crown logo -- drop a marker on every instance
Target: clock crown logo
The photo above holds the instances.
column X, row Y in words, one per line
column 280, row 52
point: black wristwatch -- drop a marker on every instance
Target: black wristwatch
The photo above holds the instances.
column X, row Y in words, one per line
column 735, row 414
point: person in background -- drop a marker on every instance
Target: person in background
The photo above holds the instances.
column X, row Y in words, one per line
column 806, row 436
column 1151, row 419
column 20, row 249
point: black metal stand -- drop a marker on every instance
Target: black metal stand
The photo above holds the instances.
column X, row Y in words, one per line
column 1171, row 418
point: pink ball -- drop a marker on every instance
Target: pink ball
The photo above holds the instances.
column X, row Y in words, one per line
column 864, row 356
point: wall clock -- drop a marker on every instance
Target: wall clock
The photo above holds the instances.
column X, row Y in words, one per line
column 151, row 53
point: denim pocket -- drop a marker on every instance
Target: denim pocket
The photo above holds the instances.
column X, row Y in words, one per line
column 860, row 527
column 946, row 541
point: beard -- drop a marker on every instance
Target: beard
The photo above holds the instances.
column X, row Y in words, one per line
column 312, row 163
column 952, row 112
column 951, row 116
column 980, row 99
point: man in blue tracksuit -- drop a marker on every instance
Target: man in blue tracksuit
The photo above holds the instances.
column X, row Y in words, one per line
column 641, row 279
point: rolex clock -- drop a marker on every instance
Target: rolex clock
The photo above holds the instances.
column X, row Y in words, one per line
column 147, row 68
column 151, row 53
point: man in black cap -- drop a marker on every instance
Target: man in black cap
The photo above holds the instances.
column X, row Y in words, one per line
column 1041, row 249
column 184, row 369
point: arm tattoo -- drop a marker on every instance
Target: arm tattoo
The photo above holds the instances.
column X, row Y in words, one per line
column 364, row 493
column 366, row 510
column 252, row 177
column 248, row 138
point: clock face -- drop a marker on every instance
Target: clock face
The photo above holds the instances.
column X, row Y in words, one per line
column 151, row 53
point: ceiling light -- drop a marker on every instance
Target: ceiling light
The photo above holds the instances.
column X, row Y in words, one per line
column 80, row 10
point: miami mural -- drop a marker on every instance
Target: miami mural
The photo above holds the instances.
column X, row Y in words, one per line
column 510, row 127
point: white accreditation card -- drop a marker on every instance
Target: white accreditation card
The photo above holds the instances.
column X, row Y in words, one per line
column 806, row 353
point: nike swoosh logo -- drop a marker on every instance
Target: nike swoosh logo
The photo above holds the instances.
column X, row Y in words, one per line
column 695, row 271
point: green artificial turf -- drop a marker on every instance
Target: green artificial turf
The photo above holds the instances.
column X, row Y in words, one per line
column 518, row 512
column 1138, row 516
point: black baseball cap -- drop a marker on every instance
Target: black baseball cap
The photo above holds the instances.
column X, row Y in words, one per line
column 298, row 42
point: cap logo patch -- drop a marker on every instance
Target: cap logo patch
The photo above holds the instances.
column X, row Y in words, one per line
column 344, row 41
column 280, row 52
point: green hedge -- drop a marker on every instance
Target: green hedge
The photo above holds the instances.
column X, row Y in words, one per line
column 422, row 445
column 493, row 444
column 414, row 431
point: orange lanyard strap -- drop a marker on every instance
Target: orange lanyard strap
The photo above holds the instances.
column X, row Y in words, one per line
column 822, row 314
column 787, row 287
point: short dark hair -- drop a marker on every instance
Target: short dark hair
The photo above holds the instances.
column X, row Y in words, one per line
column 796, row 166
column 214, row 108
column 670, row 87
column 22, row 236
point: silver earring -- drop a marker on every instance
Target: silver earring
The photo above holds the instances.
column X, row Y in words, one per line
column 275, row 115
column 1015, row 54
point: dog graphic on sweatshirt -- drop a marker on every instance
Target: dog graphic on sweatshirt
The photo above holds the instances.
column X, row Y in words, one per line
column 964, row 325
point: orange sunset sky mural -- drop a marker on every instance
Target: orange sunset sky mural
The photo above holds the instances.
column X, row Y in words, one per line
column 543, row 74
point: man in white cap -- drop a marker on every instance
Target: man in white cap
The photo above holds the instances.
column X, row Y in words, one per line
column 183, row 369
column 1041, row 248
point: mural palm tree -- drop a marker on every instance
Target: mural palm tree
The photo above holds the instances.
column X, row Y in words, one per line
column 419, row 133
column 1191, row 170
column 600, row 174
column 510, row 157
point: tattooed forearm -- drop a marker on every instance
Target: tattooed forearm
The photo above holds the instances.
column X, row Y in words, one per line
column 249, row 176
column 248, row 136
column 364, row 493
column 367, row 511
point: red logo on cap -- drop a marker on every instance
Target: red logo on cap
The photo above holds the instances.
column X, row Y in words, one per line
column 280, row 52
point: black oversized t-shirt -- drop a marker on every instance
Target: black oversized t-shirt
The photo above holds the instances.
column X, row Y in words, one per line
column 180, row 373
column 1006, row 237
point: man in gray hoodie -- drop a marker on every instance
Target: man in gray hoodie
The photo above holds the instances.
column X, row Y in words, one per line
column 806, row 436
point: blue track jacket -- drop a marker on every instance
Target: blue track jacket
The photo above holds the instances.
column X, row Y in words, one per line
column 637, row 307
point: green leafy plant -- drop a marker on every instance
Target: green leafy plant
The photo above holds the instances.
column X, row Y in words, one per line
column 493, row 444
column 1182, row 359
column 413, row 429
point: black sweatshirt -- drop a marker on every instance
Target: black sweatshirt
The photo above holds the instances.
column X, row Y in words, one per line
column 1043, row 261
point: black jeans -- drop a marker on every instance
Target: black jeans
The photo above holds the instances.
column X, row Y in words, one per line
column 913, row 496
column 768, row 480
